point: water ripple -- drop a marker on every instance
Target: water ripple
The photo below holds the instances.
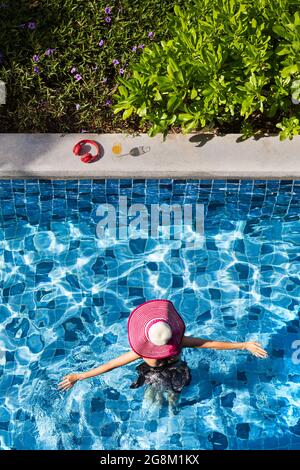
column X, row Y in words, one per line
column 66, row 297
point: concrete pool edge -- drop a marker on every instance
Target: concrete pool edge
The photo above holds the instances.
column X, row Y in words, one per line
column 194, row 156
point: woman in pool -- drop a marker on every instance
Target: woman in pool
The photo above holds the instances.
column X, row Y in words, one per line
column 156, row 335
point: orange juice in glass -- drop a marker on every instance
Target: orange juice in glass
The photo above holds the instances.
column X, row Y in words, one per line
column 117, row 149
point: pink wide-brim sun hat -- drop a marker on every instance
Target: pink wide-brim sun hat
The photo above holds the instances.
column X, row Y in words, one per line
column 146, row 315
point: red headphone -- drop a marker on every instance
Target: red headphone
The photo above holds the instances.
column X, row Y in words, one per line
column 87, row 157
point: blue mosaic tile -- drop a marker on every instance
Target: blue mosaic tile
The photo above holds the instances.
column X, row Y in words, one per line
column 67, row 294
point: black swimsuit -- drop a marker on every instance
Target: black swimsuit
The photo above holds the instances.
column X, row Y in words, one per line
column 172, row 374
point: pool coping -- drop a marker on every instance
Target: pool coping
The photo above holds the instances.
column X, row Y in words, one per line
column 194, row 156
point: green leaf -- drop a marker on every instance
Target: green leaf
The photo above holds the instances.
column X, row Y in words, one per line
column 173, row 102
column 297, row 18
column 295, row 89
column 283, row 50
column 138, row 77
column 172, row 64
column 155, row 129
column 289, row 70
column 179, row 77
column 191, row 126
column 126, row 83
column 185, row 117
column 165, row 83
column 194, row 94
column 279, row 30
column 123, row 91
column 118, row 108
column 157, row 96
column 177, row 11
column 152, row 79
column 127, row 113
column 142, row 111
column 172, row 120
column 272, row 110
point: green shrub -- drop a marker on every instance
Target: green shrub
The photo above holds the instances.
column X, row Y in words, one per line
column 225, row 61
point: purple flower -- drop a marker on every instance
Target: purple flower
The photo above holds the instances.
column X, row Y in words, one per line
column 31, row 25
column 115, row 62
column 49, row 51
column 150, row 34
column 95, row 67
column 101, row 42
column 36, row 69
column 77, row 106
column 104, row 80
column 108, row 103
column 107, row 10
column 73, row 70
column 108, row 19
column 77, row 77
column 122, row 71
column 141, row 46
column 36, row 58
column 134, row 49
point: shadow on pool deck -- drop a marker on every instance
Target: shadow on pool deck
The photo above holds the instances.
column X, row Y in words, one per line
column 204, row 138
column 201, row 139
column 256, row 137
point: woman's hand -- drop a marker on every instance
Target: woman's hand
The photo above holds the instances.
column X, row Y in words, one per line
column 68, row 381
column 256, row 349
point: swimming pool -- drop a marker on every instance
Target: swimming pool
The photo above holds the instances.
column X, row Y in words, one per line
column 67, row 294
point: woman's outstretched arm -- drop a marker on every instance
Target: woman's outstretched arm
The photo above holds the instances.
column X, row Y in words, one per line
column 251, row 346
column 69, row 380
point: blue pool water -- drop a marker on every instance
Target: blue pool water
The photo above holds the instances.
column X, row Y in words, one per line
column 66, row 295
